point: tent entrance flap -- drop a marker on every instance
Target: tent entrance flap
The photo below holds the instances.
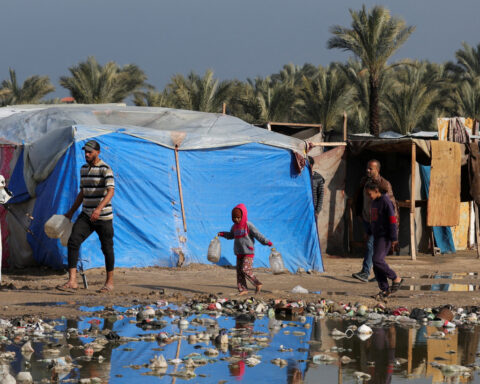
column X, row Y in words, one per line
column 444, row 193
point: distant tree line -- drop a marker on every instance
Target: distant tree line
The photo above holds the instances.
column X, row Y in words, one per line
column 403, row 96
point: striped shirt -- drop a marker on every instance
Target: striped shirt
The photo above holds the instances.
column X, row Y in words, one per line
column 94, row 182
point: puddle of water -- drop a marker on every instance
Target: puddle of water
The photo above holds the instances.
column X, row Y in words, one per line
column 451, row 275
column 45, row 304
column 442, row 287
column 392, row 354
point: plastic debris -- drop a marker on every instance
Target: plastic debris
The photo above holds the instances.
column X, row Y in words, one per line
column 24, row 378
column 299, row 289
column 364, row 330
column 158, row 362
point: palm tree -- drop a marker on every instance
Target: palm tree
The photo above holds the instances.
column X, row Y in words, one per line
column 266, row 100
column 468, row 61
column 374, row 37
column 30, row 92
column 324, row 98
column 413, row 91
column 152, row 98
column 197, row 93
column 292, row 75
column 91, row 83
column 466, row 99
column 465, row 75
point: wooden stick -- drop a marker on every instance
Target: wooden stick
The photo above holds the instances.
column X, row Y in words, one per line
column 477, row 229
column 295, row 124
column 350, row 224
column 344, row 126
column 180, row 189
column 329, row 144
column 413, row 245
column 224, row 108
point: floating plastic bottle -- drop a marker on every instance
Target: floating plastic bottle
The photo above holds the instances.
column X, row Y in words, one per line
column 214, row 250
column 56, row 226
column 276, row 262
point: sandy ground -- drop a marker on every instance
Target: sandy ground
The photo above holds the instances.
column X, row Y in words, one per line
column 32, row 291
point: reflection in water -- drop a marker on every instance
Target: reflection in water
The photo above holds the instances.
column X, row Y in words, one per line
column 393, row 353
column 441, row 287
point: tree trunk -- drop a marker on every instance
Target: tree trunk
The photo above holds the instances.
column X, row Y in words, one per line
column 373, row 107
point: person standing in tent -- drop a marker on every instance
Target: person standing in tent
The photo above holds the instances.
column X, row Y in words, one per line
column 244, row 234
column 362, row 209
column 96, row 191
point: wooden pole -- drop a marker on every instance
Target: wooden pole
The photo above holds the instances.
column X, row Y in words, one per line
column 344, row 126
column 413, row 243
column 224, row 108
column 329, row 144
column 179, row 179
column 477, row 228
column 177, row 355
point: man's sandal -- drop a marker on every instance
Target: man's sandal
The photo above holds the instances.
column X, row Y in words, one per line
column 396, row 286
column 105, row 289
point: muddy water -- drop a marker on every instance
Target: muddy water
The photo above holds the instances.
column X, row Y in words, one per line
column 393, row 354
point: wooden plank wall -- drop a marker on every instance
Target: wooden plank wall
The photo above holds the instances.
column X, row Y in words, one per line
column 444, row 196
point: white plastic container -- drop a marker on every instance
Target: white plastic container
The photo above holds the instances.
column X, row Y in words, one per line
column 214, row 250
column 276, row 262
column 66, row 234
column 56, row 226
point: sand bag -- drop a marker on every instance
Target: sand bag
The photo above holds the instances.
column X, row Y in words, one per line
column 214, row 250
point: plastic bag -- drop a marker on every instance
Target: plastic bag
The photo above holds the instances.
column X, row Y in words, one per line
column 56, row 226
column 214, row 250
column 299, row 289
column 276, row 262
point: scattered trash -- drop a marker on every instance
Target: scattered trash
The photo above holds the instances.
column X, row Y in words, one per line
column 364, row 330
column 199, row 335
column 299, row 289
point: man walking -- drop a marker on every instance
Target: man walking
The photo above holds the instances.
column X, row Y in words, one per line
column 362, row 209
column 96, row 192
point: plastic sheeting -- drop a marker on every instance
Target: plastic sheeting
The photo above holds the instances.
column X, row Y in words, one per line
column 147, row 215
column 48, row 132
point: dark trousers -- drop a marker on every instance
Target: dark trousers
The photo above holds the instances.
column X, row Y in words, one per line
column 83, row 228
column 382, row 271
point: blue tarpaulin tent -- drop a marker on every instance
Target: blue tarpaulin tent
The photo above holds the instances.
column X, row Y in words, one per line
column 222, row 160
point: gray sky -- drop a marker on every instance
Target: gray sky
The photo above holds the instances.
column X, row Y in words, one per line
column 237, row 39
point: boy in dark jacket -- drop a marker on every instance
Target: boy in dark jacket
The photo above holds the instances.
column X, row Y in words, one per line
column 383, row 227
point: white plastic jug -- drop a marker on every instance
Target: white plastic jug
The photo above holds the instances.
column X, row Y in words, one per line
column 276, row 262
column 56, row 226
column 66, row 234
column 214, row 250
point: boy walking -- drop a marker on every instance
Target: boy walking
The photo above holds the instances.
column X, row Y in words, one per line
column 383, row 228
